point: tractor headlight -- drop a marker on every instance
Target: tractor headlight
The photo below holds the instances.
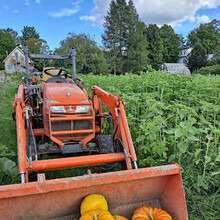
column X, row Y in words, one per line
column 82, row 109
column 57, row 109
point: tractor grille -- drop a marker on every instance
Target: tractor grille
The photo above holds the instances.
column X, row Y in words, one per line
column 71, row 125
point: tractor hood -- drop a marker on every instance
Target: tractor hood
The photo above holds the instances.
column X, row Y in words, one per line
column 65, row 93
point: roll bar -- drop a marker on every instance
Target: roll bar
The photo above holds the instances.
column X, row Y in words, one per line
column 71, row 54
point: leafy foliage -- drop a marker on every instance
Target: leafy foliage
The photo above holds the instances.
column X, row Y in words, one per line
column 155, row 46
column 8, row 171
column 29, row 32
column 216, row 56
column 171, row 44
column 90, row 59
column 213, row 70
column 124, row 38
column 7, row 43
column 207, row 34
column 115, row 37
column 137, row 56
column 198, row 57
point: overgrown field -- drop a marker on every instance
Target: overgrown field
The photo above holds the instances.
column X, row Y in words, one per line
column 172, row 119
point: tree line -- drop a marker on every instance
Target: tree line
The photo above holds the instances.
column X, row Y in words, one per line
column 129, row 45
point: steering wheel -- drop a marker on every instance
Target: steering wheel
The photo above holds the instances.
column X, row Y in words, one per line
column 59, row 73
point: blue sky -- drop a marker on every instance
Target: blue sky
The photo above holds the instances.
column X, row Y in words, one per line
column 54, row 19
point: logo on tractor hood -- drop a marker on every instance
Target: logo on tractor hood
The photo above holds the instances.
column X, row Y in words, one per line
column 67, row 94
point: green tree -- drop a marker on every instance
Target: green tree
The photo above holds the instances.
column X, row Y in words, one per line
column 35, row 44
column 137, row 50
column 197, row 57
column 124, row 38
column 12, row 32
column 155, row 45
column 216, row 55
column 29, row 32
column 171, row 44
column 7, row 44
column 38, row 46
column 89, row 57
column 137, row 56
column 183, row 42
column 133, row 17
column 207, row 34
column 115, row 37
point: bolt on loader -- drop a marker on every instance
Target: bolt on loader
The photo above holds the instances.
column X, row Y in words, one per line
column 57, row 117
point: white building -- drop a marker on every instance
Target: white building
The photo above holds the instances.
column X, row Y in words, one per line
column 183, row 55
column 15, row 61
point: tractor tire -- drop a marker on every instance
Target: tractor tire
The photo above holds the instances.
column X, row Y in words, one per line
column 105, row 146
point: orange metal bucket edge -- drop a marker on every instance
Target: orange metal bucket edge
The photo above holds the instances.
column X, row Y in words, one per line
column 80, row 181
column 163, row 183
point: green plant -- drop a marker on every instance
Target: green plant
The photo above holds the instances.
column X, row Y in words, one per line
column 212, row 70
column 8, row 171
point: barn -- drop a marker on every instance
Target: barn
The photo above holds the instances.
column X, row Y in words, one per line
column 15, row 61
column 175, row 68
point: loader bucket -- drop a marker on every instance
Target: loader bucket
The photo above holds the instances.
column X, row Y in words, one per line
column 124, row 190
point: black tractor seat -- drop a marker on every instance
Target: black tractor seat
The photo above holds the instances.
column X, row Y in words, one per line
column 57, row 79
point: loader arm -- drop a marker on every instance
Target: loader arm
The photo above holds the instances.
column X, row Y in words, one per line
column 121, row 129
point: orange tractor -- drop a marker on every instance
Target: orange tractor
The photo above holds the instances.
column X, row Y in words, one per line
column 57, row 117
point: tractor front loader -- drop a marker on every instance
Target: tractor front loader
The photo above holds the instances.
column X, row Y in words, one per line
column 57, row 117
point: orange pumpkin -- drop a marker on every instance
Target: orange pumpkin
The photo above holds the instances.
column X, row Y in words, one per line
column 97, row 215
column 150, row 213
column 118, row 217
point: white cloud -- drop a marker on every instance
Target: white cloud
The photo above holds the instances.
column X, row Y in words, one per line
column 38, row 1
column 77, row 2
column 6, row 7
column 156, row 11
column 202, row 19
column 64, row 12
column 67, row 11
column 27, row 2
column 15, row 11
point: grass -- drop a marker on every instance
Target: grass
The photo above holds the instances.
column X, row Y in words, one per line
column 7, row 128
column 172, row 119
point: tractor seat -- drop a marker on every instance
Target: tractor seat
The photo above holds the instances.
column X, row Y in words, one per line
column 57, row 79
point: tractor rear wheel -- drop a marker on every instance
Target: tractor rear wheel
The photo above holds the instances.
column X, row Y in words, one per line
column 105, row 146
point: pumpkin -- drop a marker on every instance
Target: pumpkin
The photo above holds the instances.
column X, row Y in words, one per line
column 97, row 215
column 118, row 217
column 93, row 202
column 150, row 213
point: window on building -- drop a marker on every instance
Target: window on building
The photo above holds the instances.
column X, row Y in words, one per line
column 185, row 61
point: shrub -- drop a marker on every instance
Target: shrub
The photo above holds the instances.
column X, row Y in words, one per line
column 212, row 70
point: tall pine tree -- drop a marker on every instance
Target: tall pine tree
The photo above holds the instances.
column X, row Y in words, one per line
column 155, row 46
column 197, row 58
column 124, row 38
column 133, row 18
column 171, row 44
column 115, row 37
column 137, row 56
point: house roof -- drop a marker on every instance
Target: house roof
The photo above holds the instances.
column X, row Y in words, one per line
column 17, row 47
